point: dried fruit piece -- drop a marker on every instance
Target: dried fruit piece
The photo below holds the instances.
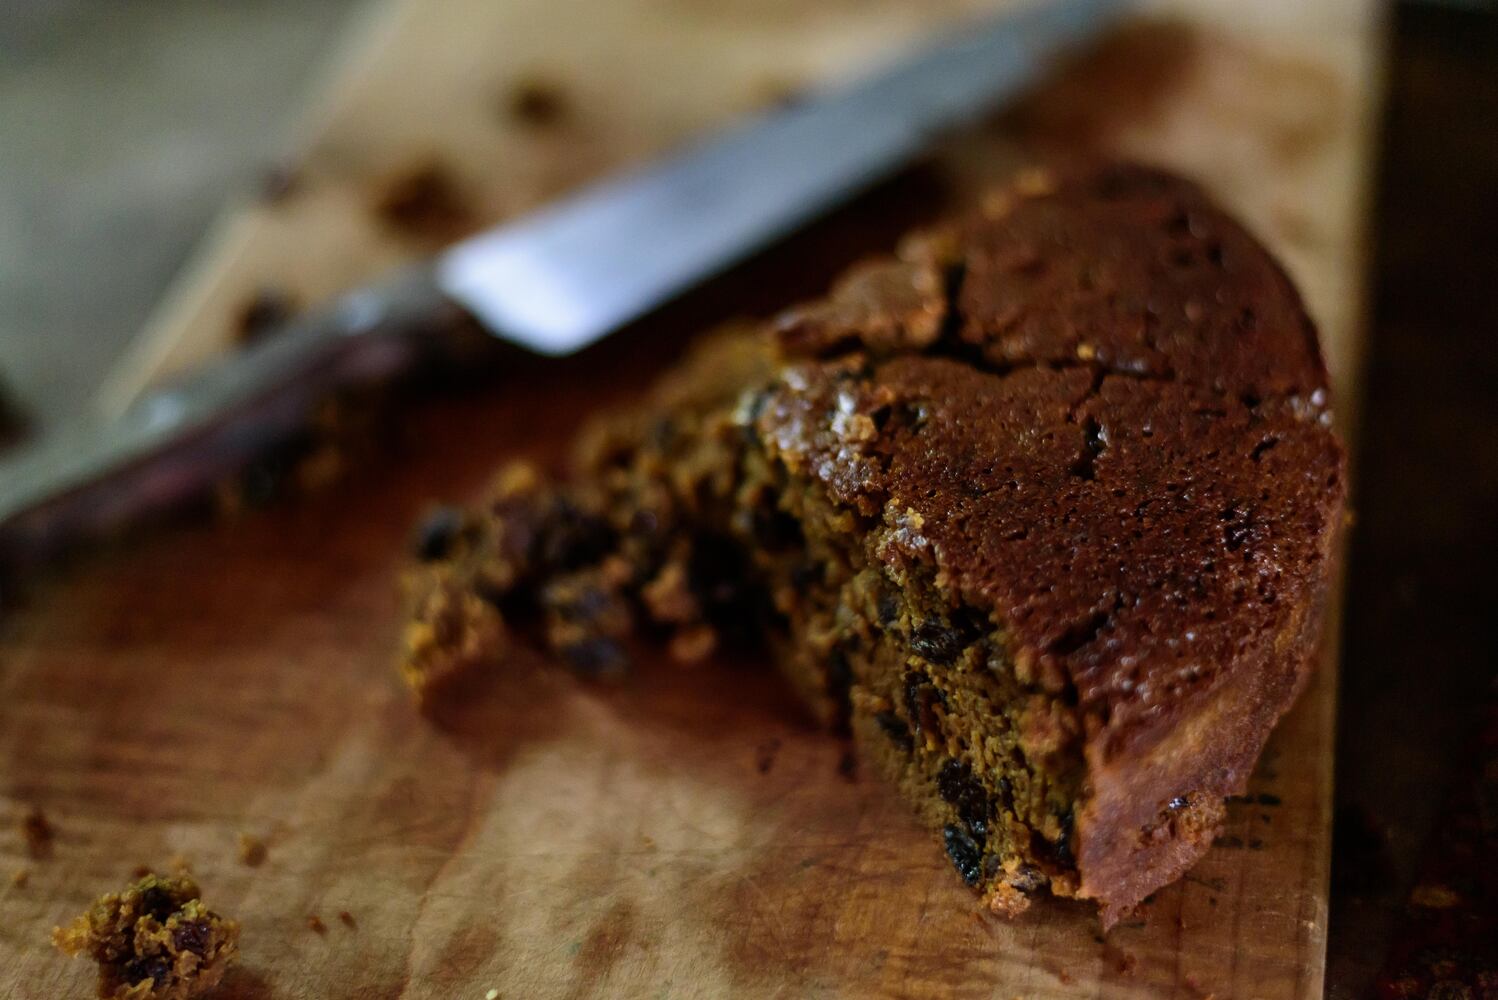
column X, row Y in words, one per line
column 153, row 941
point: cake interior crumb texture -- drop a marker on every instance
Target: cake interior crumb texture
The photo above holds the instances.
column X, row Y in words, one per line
column 153, row 941
column 1038, row 510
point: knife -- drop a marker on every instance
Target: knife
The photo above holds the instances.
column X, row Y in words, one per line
column 552, row 282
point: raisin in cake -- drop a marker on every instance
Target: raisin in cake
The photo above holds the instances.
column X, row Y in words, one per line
column 1040, row 509
column 153, row 941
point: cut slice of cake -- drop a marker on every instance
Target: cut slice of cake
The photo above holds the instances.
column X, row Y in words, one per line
column 1039, row 509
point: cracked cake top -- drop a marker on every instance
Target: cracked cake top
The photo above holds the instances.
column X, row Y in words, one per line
column 1098, row 411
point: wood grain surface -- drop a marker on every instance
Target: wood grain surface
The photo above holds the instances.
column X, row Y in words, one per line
column 684, row 833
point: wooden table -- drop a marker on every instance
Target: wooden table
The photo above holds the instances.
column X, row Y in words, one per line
column 685, row 833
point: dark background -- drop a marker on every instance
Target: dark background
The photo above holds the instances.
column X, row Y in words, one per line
column 1420, row 647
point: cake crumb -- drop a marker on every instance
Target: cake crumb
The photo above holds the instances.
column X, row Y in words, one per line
column 261, row 313
column 425, row 202
column 347, row 918
column 140, row 871
column 315, row 924
column 39, row 833
column 20, row 877
column 252, row 851
column 153, row 941
column 179, row 864
column 537, row 103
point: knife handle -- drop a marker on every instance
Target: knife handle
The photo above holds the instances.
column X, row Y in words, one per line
column 182, row 439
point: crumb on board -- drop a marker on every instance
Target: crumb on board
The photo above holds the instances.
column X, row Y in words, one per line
column 347, row 918
column 39, row 833
column 20, row 877
column 315, row 924
column 267, row 308
column 153, row 941
column 140, row 871
column 179, row 864
column 252, row 851
column 425, row 202
column 537, row 102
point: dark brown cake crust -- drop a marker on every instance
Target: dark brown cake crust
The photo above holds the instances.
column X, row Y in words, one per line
column 1043, row 507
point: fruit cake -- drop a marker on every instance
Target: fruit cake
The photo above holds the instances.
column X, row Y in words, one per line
column 1039, row 509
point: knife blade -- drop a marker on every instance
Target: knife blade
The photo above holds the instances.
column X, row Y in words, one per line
column 569, row 274
column 553, row 281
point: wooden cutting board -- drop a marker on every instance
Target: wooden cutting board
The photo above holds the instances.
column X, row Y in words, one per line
column 684, row 833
